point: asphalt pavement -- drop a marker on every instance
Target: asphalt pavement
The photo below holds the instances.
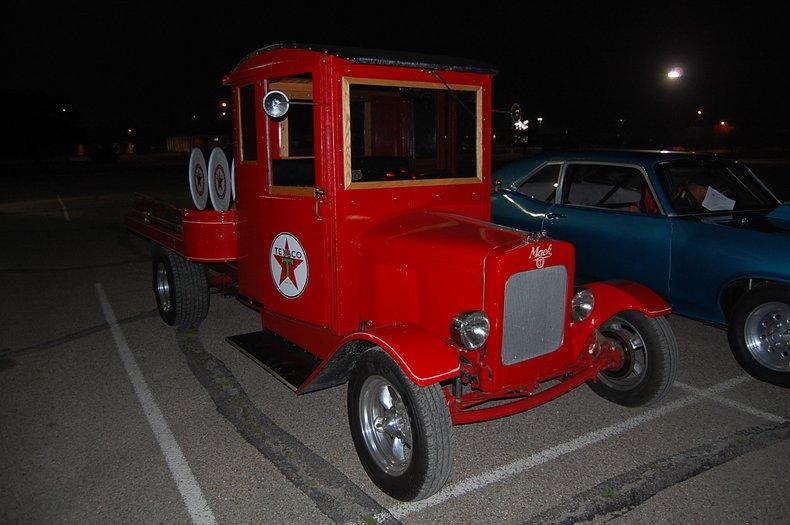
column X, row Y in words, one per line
column 109, row 415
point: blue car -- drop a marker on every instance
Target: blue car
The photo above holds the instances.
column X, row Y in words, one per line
column 702, row 231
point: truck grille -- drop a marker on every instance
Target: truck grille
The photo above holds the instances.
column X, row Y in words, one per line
column 535, row 303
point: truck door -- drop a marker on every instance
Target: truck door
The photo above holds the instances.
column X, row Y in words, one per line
column 293, row 224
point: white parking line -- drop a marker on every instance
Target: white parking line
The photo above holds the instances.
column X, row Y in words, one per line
column 743, row 407
column 521, row 465
column 63, row 207
column 197, row 506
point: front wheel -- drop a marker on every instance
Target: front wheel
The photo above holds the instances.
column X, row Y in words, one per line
column 648, row 359
column 401, row 432
column 759, row 334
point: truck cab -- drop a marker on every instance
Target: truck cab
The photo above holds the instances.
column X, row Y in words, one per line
column 361, row 233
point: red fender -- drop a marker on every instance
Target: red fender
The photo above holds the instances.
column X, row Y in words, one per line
column 423, row 357
column 613, row 297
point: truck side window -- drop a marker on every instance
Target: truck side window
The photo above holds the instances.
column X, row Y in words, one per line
column 542, row 185
column 608, row 186
column 293, row 137
column 249, row 144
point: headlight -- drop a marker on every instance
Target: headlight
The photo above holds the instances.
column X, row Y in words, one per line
column 582, row 304
column 470, row 329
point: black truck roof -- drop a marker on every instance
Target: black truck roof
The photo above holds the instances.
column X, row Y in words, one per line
column 381, row 57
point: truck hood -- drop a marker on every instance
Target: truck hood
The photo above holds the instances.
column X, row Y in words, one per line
column 437, row 236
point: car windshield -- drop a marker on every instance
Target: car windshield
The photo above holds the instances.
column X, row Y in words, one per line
column 409, row 132
column 713, row 187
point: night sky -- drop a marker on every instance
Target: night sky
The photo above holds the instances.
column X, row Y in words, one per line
column 578, row 65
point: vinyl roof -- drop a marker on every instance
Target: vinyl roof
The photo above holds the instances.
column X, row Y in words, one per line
column 382, row 57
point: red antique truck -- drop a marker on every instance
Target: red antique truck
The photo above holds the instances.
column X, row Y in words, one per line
column 361, row 234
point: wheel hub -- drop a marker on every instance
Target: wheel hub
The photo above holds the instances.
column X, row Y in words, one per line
column 627, row 367
column 386, row 426
column 767, row 335
column 162, row 287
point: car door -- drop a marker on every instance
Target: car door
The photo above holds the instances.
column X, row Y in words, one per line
column 526, row 203
column 611, row 215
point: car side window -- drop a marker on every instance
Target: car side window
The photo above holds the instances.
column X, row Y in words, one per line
column 542, row 185
column 606, row 186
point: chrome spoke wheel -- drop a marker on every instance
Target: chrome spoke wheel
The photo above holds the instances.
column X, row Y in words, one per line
column 386, row 427
column 162, row 287
column 624, row 338
column 767, row 335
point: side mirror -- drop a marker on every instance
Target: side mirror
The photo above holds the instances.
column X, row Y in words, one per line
column 276, row 104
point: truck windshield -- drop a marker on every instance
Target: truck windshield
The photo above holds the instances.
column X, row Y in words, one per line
column 713, row 187
column 407, row 132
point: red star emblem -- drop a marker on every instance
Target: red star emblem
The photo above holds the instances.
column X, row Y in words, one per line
column 288, row 265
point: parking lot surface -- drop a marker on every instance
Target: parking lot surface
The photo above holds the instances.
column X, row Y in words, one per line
column 107, row 414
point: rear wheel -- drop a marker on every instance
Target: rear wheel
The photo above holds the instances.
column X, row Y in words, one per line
column 759, row 334
column 648, row 359
column 180, row 288
column 401, row 432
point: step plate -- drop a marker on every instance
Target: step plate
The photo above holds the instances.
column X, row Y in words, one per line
column 289, row 363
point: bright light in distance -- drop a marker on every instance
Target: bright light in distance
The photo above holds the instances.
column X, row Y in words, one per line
column 675, row 72
column 699, row 112
column 521, row 124
column 129, row 130
column 223, row 104
column 224, row 113
column 540, row 120
column 723, row 122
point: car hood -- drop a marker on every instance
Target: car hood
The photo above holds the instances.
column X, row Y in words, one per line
column 776, row 221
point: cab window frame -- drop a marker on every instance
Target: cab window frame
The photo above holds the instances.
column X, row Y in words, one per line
column 243, row 139
column 348, row 183
column 275, row 130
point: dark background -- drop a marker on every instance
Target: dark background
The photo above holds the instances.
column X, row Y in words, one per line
column 595, row 72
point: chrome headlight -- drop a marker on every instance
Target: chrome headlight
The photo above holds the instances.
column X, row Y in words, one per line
column 470, row 329
column 582, row 304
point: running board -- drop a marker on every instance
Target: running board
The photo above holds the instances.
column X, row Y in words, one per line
column 289, row 363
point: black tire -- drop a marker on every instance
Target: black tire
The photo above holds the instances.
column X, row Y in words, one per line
column 649, row 367
column 771, row 366
column 430, row 461
column 180, row 288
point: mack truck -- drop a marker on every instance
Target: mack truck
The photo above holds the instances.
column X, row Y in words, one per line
column 361, row 234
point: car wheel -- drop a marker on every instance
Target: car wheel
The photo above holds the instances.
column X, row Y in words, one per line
column 648, row 359
column 759, row 334
column 401, row 432
column 180, row 288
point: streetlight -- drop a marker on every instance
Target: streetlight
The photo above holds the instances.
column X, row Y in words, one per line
column 699, row 112
column 675, row 73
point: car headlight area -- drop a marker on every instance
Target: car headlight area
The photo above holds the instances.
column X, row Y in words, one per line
column 470, row 329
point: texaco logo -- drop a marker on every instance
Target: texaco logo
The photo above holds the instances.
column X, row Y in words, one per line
column 289, row 265
column 200, row 180
column 219, row 181
column 540, row 255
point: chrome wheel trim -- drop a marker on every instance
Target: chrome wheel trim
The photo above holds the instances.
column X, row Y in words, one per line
column 626, row 338
column 767, row 335
column 162, row 287
column 386, row 427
